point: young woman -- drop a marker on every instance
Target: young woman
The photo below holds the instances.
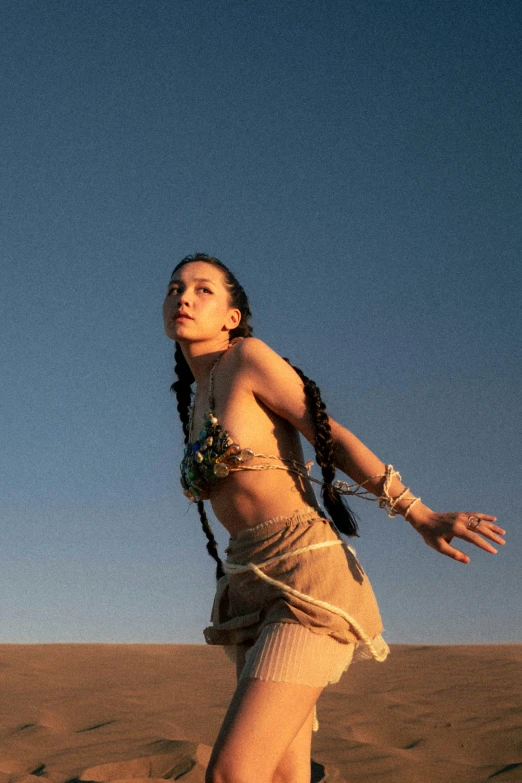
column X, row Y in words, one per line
column 293, row 603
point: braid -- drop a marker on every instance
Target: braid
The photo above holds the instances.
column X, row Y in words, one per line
column 211, row 544
column 342, row 516
column 183, row 392
column 182, row 389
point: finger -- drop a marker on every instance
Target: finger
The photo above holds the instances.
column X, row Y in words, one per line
column 498, row 530
column 478, row 515
column 445, row 549
column 485, row 527
column 491, row 532
column 473, row 538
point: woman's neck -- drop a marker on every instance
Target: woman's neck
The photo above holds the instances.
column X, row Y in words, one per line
column 201, row 357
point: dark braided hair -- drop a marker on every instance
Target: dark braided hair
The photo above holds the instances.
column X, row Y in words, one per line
column 343, row 518
column 340, row 514
column 183, row 391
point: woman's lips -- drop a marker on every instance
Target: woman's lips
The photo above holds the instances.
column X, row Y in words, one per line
column 182, row 317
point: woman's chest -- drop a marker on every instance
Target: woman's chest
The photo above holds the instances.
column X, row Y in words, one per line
column 239, row 415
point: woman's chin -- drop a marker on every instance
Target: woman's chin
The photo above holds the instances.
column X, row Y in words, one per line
column 180, row 328
column 174, row 332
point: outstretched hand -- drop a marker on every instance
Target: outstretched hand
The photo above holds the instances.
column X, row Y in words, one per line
column 438, row 530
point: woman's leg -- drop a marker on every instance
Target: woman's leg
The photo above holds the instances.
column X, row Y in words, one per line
column 262, row 722
column 266, row 734
column 295, row 764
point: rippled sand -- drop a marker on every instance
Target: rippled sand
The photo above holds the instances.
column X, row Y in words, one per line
column 100, row 712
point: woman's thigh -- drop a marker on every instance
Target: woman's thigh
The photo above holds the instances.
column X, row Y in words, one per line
column 263, row 721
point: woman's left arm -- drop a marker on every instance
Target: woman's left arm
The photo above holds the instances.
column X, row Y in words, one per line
column 274, row 382
column 437, row 529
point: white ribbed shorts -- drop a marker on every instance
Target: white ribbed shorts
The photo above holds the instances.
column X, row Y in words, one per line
column 288, row 652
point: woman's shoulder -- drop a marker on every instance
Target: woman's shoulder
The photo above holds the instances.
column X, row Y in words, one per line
column 266, row 370
column 271, row 379
column 253, row 352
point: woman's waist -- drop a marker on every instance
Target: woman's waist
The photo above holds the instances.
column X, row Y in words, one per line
column 243, row 502
column 304, row 513
column 279, row 541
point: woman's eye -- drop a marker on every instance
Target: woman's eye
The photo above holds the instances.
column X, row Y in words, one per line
column 172, row 290
column 206, row 290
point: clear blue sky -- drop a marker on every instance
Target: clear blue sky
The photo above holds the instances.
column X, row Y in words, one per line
column 357, row 165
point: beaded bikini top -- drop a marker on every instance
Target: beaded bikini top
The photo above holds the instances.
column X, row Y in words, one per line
column 214, row 455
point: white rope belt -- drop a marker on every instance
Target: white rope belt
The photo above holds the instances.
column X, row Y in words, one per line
column 236, row 568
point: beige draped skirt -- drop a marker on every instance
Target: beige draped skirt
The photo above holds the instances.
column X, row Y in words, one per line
column 296, row 596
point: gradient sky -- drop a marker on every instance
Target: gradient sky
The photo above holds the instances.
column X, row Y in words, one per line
column 357, row 165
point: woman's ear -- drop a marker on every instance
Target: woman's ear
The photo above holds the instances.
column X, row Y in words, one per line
column 233, row 319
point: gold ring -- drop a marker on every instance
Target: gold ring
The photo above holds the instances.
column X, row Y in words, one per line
column 470, row 524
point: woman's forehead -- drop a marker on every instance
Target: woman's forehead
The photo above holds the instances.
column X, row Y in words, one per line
column 198, row 271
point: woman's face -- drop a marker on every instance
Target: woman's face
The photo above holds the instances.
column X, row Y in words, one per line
column 197, row 305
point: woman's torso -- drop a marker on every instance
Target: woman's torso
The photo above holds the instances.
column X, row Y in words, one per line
column 247, row 497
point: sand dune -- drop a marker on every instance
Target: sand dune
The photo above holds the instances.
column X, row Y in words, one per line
column 97, row 712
